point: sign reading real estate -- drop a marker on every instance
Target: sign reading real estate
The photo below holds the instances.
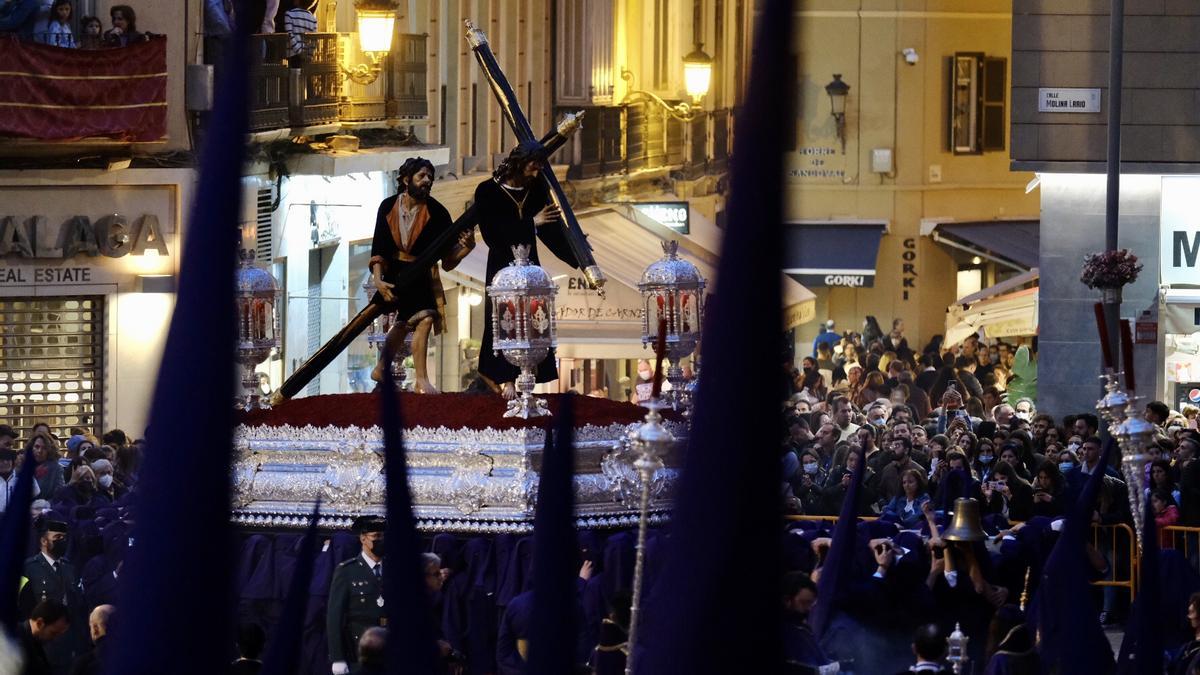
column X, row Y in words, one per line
column 1179, row 231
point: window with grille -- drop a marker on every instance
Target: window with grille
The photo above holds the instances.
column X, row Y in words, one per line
column 52, row 363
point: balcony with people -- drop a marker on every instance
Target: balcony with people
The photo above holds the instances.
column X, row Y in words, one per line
column 68, row 78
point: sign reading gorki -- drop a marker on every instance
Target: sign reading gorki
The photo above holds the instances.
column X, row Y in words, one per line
column 112, row 235
column 1179, row 231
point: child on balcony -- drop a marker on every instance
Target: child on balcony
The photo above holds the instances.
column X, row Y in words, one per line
column 59, row 29
column 92, row 29
column 296, row 22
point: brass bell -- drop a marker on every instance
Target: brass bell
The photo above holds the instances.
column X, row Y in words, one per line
column 966, row 524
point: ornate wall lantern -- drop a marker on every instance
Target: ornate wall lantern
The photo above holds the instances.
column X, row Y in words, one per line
column 376, row 26
column 523, row 325
column 838, row 91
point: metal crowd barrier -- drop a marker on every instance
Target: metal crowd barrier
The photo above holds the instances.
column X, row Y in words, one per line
column 1116, row 543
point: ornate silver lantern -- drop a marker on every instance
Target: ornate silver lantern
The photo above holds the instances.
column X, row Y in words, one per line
column 672, row 289
column 258, row 326
column 377, row 334
column 523, row 325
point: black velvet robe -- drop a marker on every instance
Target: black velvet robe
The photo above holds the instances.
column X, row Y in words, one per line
column 503, row 226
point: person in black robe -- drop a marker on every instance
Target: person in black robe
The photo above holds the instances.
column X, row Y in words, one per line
column 515, row 209
column 407, row 224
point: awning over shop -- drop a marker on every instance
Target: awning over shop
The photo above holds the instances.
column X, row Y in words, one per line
column 1013, row 243
column 998, row 311
column 832, row 253
column 1180, row 311
column 623, row 249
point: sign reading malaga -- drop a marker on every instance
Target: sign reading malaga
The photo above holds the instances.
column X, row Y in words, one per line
column 113, row 235
column 1179, row 231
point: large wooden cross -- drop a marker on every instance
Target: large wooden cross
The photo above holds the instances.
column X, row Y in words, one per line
column 520, row 125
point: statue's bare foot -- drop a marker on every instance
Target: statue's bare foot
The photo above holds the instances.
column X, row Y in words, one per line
column 422, row 385
column 377, row 373
column 508, row 391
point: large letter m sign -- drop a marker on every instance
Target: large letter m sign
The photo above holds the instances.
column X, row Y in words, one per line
column 1184, row 249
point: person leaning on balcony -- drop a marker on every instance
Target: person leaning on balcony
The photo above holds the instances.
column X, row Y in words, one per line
column 296, row 22
column 124, row 27
column 19, row 16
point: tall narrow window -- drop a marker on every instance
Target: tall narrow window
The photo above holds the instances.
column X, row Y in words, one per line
column 978, row 86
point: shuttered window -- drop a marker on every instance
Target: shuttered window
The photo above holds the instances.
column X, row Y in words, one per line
column 52, row 363
column 978, row 86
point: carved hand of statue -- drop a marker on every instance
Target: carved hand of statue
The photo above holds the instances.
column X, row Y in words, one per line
column 549, row 214
column 384, row 288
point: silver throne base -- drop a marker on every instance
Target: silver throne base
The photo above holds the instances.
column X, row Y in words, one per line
column 462, row 481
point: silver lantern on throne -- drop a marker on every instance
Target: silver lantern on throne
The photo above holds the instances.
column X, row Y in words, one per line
column 258, row 325
column 672, row 289
column 377, row 333
column 523, row 325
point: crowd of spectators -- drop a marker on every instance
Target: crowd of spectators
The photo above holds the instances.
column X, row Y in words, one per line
column 53, row 22
column 81, row 529
column 941, row 425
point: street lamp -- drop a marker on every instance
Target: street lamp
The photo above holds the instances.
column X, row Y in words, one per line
column 697, row 73
column 838, row 91
column 376, row 25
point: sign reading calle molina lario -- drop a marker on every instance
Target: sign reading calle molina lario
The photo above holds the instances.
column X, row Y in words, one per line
column 1179, row 231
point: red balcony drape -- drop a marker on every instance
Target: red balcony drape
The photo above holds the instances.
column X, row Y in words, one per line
column 53, row 93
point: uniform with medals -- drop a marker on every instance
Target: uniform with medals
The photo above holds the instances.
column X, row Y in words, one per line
column 53, row 577
column 355, row 598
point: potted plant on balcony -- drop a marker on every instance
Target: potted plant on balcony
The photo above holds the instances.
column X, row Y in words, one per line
column 1110, row 271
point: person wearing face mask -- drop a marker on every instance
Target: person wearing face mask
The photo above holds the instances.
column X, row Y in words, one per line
column 106, row 486
column 645, row 383
column 809, row 482
column 81, row 491
column 356, row 595
column 8, row 477
column 51, row 577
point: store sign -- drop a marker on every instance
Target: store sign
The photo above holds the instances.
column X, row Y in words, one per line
column 578, row 302
column 669, row 214
column 1145, row 330
column 908, row 266
column 1067, row 100
column 114, row 236
column 1179, row 231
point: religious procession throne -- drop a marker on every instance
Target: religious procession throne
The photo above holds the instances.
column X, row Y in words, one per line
column 470, row 469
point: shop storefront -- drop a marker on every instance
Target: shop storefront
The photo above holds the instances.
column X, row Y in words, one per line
column 87, row 269
column 1159, row 223
column 1179, row 299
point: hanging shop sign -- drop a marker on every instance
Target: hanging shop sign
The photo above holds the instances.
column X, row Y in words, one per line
column 669, row 214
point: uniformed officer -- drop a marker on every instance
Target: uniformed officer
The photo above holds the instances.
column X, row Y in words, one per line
column 356, row 595
column 50, row 576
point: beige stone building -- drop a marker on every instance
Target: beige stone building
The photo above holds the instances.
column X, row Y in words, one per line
column 922, row 157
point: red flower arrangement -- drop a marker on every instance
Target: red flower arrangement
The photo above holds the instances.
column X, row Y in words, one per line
column 1110, row 269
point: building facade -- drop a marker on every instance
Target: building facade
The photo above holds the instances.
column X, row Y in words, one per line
column 905, row 177
column 1059, row 127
